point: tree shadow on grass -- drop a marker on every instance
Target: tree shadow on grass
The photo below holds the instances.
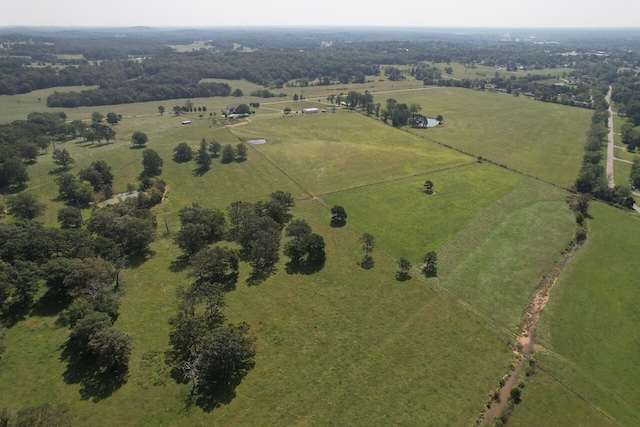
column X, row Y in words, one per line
column 15, row 314
column 227, row 283
column 13, row 189
column 217, row 395
column 212, row 396
column 179, row 264
column 50, row 304
column 136, row 260
column 59, row 170
column 200, row 171
column 402, row 276
column 367, row 263
column 337, row 224
column 95, row 383
column 305, row 268
column 259, row 276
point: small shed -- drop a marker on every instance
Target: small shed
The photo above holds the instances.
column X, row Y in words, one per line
column 309, row 110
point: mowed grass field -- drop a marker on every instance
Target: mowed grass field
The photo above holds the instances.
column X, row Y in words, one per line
column 540, row 139
column 327, row 152
column 590, row 326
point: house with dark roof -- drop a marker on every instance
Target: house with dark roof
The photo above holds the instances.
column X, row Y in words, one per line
column 231, row 109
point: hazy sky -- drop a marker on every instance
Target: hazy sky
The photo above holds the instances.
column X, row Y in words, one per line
column 414, row 13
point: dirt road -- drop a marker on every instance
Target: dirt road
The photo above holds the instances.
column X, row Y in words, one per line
column 610, row 145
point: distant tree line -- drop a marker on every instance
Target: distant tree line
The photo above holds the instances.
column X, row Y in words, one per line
column 161, row 73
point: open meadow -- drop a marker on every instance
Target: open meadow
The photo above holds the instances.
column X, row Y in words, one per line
column 349, row 344
column 540, row 139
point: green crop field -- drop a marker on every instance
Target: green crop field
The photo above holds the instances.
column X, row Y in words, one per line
column 590, row 325
column 543, row 140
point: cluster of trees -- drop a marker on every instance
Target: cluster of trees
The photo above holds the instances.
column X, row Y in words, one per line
column 630, row 136
column 534, row 85
column 199, row 228
column 579, row 205
column 305, row 248
column 209, row 150
column 398, row 113
column 257, row 228
column 626, row 94
column 93, row 182
column 139, row 90
column 428, row 75
column 80, row 268
column 635, row 173
column 266, row 93
column 592, row 178
column 208, row 354
column 24, row 140
column 188, row 107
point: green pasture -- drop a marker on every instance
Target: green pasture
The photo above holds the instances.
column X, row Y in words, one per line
column 621, row 172
column 331, row 152
column 245, row 86
column 250, row 180
column 497, row 261
column 546, row 402
column 344, row 343
column 496, row 233
column 540, row 139
column 409, row 223
column 17, row 107
column 460, row 71
column 590, row 326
